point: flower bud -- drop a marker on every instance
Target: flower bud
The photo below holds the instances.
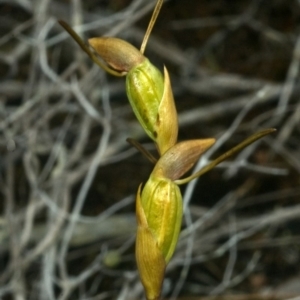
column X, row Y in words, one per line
column 117, row 53
column 145, row 87
column 180, row 158
column 159, row 212
column 150, row 261
column 149, row 94
column 162, row 204
column 159, row 215
column 151, row 98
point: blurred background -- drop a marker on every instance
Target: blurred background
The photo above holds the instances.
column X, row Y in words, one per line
column 68, row 178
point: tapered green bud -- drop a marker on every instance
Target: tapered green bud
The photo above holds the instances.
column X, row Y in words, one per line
column 150, row 260
column 148, row 91
column 162, row 203
column 151, row 98
column 161, row 198
column 145, row 87
column 159, row 215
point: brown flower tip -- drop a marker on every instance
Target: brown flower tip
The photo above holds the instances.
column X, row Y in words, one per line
column 181, row 158
column 117, row 53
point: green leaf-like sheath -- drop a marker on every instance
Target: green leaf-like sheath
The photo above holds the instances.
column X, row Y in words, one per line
column 145, row 87
column 162, row 203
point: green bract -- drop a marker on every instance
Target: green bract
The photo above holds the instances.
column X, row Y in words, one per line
column 151, row 98
column 145, row 87
column 162, row 203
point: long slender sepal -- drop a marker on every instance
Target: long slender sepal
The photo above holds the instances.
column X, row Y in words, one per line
column 86, row 49
column 151, row 24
